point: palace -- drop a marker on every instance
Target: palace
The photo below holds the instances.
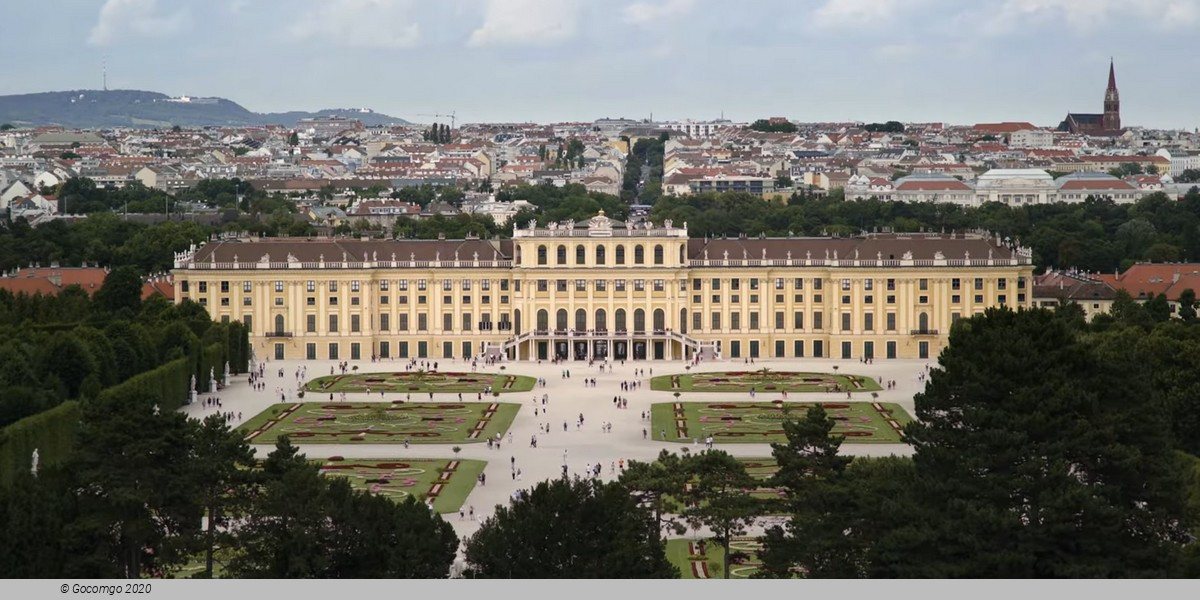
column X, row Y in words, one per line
column 604, row 289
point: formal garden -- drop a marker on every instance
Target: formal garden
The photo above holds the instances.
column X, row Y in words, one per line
column 760, row 422
column 764, row 381
column 421, row 382
column 447, row 482
column 703, row 559
column 394, row 422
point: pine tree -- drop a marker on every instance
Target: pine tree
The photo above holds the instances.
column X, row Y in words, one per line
column 1038, row 455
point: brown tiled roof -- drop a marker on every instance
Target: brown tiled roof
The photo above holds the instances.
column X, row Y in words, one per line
column 354, row 250
column 885, row 246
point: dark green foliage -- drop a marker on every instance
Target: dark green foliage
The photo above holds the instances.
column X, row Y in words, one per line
column 719, row 497
column 812, row 475
column 652, row 484
column 774, row 126
column 122, row 289
column 303, row 525
column 136, row 475
column 559, row 204
column 51, row 432
column 1095, row 235
column 889, row 127
column 569, row 529
column 1039, row 455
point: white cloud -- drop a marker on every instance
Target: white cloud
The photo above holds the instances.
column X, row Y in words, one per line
column 645, row 13
column 129, row 18
column 837, row 14
column 1088, row 15
column 358, row 24
column 526, row 22
column 896, row 53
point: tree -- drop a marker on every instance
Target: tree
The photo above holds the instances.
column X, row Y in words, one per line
column 1038, row 455
column 774, row 126
column 889, row 127
column 1126, row 169
column 287, row 533
column 1188, row 176
column 304, row 525
column 719, row 497
column 597, row 531
column 294, row 139
column 819, row 540
column 122, row 288
column 783, row 181
column 1187, row 305
column 652, row 484
column 1159, row 308
column 223, row 460
column 134, row 482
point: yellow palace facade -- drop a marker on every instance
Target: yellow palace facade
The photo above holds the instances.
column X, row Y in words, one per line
column 604, row 289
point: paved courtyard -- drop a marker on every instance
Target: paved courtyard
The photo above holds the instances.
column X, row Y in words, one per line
column 577, row 447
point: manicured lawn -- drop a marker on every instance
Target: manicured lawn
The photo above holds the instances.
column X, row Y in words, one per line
column 763, row 381
column 421, row 382
column 759, row 422
column 381, row 422
column 447, row 481
column 685, row 554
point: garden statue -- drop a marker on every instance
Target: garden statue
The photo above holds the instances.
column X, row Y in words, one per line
column 36, row 460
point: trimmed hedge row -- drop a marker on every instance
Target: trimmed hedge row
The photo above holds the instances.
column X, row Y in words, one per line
column 169, row 383
column 51, row 432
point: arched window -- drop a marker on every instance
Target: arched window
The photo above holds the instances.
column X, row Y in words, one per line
column 580, row 320
column 541, row 255
column 279, row 328
column 639, row 320
column 683, row 320
column 600, row 257
column 682, row 254
column 923, row 322
column 660, row 319
column 620, row 255
column 516, row 322
column 562, row 255
column 543, row 320
column 601, row 320
column 620, row 317
column 580, row 255
column 658, row 255
column 561, row 319
column 639, row 255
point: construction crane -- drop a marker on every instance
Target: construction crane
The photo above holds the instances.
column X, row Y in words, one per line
column 451, row 116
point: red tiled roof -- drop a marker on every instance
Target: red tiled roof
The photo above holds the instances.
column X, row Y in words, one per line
column 933, row 185
column 1096, row 184
column 53, row 280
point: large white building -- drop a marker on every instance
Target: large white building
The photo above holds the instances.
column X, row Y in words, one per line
column 1015, row 187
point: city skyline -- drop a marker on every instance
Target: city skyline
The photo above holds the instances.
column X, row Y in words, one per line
column 544, row 61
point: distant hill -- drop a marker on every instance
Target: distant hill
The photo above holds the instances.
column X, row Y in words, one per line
column 132, row 108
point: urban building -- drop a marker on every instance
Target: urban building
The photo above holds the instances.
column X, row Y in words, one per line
column 1107, row 123
column 604, row 289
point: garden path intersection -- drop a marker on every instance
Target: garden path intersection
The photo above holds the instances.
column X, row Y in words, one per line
column 591, row 443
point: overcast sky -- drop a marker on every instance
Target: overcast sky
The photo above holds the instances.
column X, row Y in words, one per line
column 959, row 61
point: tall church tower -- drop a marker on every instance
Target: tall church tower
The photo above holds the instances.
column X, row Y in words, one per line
column 1112, row 103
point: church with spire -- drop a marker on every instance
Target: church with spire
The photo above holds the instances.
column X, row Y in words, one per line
column 1106, row 124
